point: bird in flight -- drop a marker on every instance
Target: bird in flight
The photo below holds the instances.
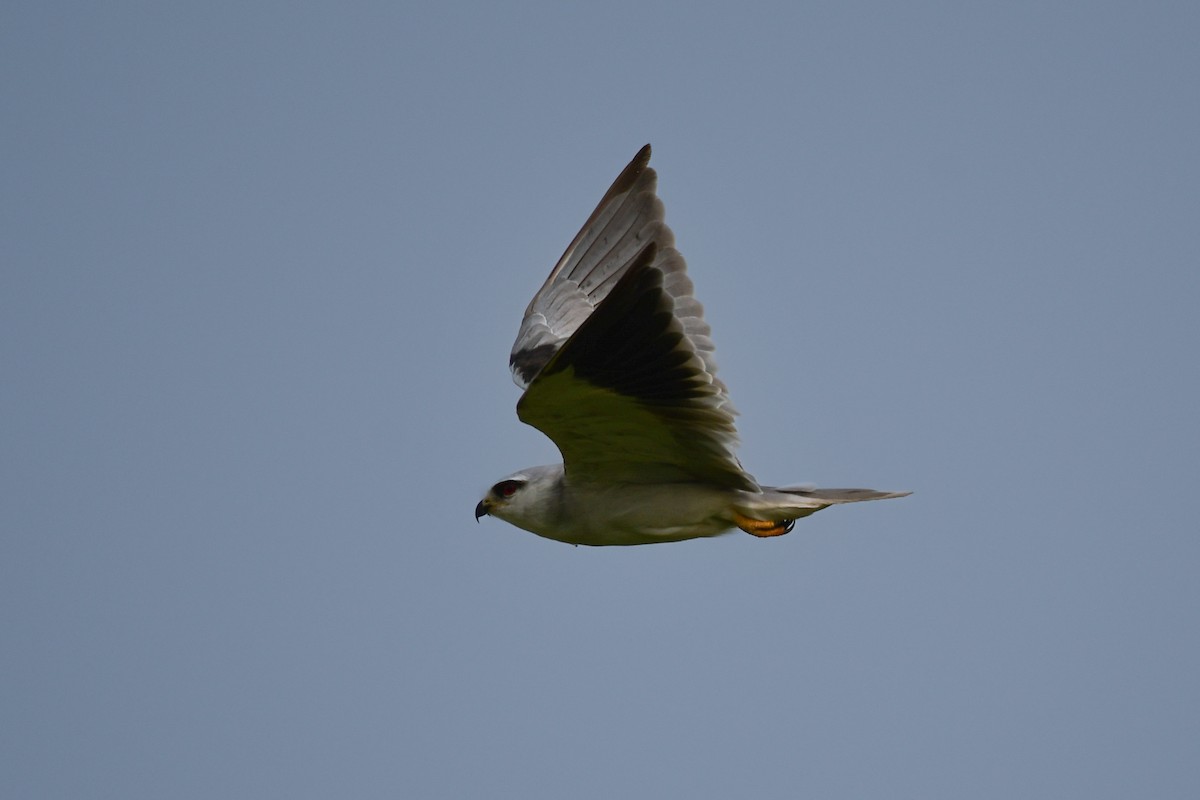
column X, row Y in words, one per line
column 617, row 365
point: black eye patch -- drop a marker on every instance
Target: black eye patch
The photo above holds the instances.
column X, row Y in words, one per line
column 506, row 488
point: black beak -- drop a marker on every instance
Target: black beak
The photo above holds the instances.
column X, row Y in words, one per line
column 481, row 510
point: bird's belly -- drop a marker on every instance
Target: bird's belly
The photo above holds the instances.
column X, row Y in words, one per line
column 628, row 515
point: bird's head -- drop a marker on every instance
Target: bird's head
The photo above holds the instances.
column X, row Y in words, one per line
column 499, row 496
column 525, row 498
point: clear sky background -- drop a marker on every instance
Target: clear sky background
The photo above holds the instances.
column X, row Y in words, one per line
column 260, row 270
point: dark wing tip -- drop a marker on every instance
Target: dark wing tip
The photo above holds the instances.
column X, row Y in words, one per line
column 628, row 176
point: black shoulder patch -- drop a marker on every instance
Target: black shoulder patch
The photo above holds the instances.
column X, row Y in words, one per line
column 528, row 363
column 631, row 342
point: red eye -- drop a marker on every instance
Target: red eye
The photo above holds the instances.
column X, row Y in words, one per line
column 506, row 488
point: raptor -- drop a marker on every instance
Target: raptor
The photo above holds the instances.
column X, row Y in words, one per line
column 617, row 365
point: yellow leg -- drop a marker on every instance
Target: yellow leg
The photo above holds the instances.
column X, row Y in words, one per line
column 763, row 527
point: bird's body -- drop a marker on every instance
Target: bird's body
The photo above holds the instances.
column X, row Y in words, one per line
column 623, row 513
column 616, row 362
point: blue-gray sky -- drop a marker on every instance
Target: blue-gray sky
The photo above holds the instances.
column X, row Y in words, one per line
column 261, row 268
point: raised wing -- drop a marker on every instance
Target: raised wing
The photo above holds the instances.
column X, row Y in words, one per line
column 631, row 394
column 628, row 218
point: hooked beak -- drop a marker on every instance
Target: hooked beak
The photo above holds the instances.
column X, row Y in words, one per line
column 483, row 509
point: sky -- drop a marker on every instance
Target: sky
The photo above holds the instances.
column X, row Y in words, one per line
column 261, row 266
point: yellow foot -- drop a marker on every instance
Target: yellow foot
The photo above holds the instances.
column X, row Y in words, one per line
column 763, row 527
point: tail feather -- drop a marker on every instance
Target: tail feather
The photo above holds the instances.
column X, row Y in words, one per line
column 784, row 503
column 832, row 496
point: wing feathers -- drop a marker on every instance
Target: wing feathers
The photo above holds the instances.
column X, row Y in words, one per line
column 628, row 217
column 615, row 355
column 628, row 395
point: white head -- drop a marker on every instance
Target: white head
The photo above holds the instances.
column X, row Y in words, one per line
column 530, row 499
